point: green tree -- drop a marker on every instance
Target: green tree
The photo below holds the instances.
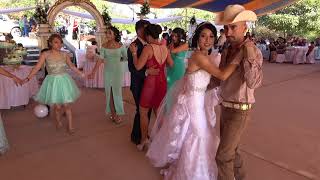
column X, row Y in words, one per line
column 301, row 18
column 187, row 14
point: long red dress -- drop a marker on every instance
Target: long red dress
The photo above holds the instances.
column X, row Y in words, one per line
column 154, row 86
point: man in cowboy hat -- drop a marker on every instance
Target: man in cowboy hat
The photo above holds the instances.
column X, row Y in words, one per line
column 237, row 91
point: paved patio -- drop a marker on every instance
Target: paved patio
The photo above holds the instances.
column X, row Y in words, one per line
column 280, row 143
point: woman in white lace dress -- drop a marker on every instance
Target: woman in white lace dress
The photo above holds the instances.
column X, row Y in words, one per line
column 183, row 138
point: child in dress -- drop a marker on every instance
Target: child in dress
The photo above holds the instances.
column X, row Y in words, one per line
column 58, row 88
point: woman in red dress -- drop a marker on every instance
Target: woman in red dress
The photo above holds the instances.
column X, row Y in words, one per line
column 154, row 89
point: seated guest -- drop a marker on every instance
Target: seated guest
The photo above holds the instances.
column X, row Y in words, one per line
column 281, row 47
column 311, row 47
column 273, row 50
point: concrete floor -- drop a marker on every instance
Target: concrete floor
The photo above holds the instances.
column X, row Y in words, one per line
column 280, row 143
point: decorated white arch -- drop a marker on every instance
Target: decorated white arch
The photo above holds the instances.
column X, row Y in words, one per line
column 46, row 29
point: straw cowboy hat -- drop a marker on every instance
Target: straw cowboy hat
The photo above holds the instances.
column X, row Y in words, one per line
column 235, row 13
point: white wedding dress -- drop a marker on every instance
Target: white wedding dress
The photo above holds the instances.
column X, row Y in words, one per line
column 184, row 138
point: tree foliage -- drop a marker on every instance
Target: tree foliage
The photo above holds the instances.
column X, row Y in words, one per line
column 301, row 18
column 187, row 14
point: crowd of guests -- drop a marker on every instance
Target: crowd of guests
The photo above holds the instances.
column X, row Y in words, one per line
column 27, row 25
column 272, row 47
column 182, row 97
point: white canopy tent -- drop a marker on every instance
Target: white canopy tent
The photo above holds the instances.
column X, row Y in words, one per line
column 123, row 20
column 13, row 10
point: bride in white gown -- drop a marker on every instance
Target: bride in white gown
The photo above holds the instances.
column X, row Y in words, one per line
column 184, row 139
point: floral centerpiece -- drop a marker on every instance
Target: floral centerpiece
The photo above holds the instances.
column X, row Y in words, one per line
column 7, row 45
column 13, row 59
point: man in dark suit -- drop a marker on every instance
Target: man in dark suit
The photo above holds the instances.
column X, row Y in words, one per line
column 137, row 78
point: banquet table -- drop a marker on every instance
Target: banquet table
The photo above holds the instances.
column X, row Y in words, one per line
column 317, row 53
column 12, row 95
column 98, row 80
column 296, row 54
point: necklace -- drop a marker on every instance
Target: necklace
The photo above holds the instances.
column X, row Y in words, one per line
column 113, row 44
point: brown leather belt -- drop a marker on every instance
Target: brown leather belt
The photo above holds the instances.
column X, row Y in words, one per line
column 240, row 106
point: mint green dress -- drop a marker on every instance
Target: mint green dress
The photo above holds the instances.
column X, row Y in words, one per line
column 113, row 76
column 177, row 71
column 58, row 87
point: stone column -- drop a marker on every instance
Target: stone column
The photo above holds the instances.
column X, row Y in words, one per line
column 43, row 35
column 100, row 36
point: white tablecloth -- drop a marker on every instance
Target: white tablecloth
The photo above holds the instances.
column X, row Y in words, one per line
column 296, row 54
column 98, row 80
column 317, row 53
column 12, row 95
column 289, row 54
column 300, row 55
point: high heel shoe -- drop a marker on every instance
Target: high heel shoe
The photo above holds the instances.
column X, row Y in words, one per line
column 143, row 145
column 117, row 120
column 71, row 131
column 111, row 117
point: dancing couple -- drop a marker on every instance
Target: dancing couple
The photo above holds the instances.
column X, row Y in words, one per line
column 184, row 140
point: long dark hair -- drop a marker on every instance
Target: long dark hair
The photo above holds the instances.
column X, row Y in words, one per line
column 153, row 30
column 116, row 33
column 181, row 36
column 200, row 28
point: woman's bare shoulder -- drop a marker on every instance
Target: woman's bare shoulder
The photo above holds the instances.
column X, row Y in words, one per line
column 197, row 55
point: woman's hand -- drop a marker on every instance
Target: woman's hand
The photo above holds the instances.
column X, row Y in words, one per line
column 133, row 48
column 17, row 81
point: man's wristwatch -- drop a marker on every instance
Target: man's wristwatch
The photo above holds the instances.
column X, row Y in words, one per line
column 146, row 73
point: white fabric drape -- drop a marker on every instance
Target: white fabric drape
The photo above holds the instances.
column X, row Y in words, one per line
column 121, row 20
column 13, row 10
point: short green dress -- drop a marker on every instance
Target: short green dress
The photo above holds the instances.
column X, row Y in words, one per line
column 177, row 71
column 58, row 87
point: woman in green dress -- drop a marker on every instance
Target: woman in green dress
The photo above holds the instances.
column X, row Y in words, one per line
column 178, row 49
column 112, row 51
column 4, row 145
